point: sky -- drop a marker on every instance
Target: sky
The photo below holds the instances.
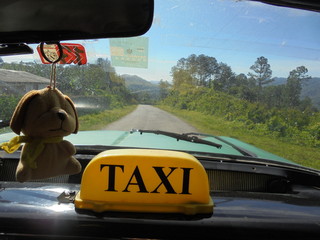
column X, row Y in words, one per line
column 234, row 32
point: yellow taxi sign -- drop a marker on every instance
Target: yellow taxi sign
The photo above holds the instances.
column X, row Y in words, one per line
column 144, row 180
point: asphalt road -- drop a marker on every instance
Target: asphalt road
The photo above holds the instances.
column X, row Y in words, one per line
column 147, row 117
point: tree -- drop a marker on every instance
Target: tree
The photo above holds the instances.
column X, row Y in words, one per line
column 295, row 80
column 105, row 64
column 261, row 73
column 224, row 78
column 205, row 68
column 244, row 88
column 181, row 77
column 98, row 82
column 273, row 96
column 164, row 89
column 194, row 70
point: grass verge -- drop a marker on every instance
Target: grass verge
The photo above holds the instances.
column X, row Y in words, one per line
column 303, row 155
column 100, row 120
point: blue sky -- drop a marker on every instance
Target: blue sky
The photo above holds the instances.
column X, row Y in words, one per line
column 236, row 33
column 233, row 32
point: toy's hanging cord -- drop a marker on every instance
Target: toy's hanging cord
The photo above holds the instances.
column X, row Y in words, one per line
column 53, row 76
column 53, row 63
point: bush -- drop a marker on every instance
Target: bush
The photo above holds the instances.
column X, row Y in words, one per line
column 290, row 124
column 7, row 105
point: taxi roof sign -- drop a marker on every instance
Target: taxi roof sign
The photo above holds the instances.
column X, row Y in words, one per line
column 144, row 180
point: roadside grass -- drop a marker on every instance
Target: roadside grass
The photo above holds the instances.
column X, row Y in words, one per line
column 303, row 155
column 100, row 120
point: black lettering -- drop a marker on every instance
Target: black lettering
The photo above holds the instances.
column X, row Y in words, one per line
column 112, row 175
column 139, row 181
column 164, row 180
column 186, row 180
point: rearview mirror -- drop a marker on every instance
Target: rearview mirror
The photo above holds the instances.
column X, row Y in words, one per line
column 33, row 21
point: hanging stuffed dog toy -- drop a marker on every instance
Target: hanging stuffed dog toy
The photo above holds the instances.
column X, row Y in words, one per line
column 44, row 117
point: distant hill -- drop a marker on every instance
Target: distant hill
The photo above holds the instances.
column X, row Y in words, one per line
column 279, row 81
column 155, row 82
column 136, row 84
column 310, row 89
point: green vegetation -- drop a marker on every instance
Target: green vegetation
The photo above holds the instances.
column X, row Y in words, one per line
column 204, row 71
column 145, row 92
column 211, row 124
column 95, row 86
column 292, row 125
column 99, row 93
column 272, row 117
column 7, row 106
column 100, row 120
column 250, row 107
column 96, row 79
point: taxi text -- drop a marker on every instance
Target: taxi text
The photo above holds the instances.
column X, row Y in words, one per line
column 137, row 180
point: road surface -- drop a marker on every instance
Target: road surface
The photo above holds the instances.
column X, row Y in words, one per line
column 147, row 117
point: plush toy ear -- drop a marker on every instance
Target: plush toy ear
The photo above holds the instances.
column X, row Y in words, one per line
column 19, row 113
column 75, row 113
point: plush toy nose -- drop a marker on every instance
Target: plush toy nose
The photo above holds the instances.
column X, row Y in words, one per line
column 61, row 115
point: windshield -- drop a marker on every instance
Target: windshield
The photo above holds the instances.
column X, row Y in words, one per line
column 245, row 72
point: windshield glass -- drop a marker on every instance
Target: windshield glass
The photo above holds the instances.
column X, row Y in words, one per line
column 245, row 71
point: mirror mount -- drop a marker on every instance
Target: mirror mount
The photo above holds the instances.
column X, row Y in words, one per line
column 15, row 49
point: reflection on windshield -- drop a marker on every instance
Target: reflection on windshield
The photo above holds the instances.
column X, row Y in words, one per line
column 241, row 69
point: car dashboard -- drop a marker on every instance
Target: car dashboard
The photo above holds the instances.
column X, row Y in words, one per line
column 250, row 201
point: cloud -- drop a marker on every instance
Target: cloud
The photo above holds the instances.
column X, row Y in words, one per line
column 258, row 19
column 175, row 6
column 156, row 21
column 256, row 4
